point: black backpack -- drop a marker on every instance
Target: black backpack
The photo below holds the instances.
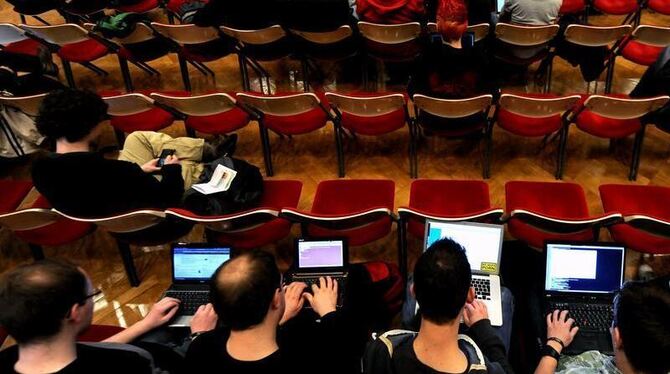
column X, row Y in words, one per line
column 244, row 193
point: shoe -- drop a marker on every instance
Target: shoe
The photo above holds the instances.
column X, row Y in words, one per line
column 46, row 60
column 221, row 146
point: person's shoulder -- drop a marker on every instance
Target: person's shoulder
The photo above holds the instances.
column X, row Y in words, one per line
column 110, row 359
column 8, row 358
column 209, row 342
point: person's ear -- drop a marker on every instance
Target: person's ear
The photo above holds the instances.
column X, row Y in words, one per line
column 76, row 313
column 471, row 295
column 278, row 299
column 616, row 339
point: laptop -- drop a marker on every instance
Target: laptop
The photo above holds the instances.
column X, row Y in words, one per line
column 483, row 247
column 192, row 267
column 583, row 279
column 315, row 258
column 498, row 5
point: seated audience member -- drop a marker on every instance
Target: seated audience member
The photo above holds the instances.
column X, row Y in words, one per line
column 47, row 304
column 479, row 11
column 42, row 73
column 263, row 332
column 391, row 11
column 315, row 15
column 655, row 82
column 530, row 12
column 640, row 334
column 442, row 289
column 246, row 15
column 79, row 181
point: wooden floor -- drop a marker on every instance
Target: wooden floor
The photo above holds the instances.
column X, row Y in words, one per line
column 311, row 158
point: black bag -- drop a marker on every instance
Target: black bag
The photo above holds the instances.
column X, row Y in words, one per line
column 189, row 9
column 244, row 193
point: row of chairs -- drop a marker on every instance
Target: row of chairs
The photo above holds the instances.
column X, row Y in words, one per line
column 363, row 212
column 535, row 116
column 396, row 43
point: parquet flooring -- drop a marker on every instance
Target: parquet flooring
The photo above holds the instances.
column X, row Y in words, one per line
column 311, row 158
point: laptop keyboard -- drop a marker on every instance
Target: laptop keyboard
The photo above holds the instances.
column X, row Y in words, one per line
column 190, row 300
column 309, row 281
column 594, row 317
column 482, row 288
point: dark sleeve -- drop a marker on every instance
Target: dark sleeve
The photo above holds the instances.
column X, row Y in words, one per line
column 491, row 345
column 149, row 191
column 200, row 354
column 376, row 359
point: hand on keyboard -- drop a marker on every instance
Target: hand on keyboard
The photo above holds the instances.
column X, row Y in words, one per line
column 293, row 300
column 561, row 327
column 475, row 312
column 205, row 319
column 161, row 312
column 323, row 298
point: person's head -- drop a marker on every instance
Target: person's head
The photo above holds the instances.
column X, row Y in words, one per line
column 452, row 19
column 44, row 299
column 641, row 326
column 71, row 115
column 247, row 290
column 442, row 280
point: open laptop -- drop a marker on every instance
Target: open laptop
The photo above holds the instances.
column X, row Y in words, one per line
column 315, row 258
column 583, row 279
column 192, row 268
column 483, row 246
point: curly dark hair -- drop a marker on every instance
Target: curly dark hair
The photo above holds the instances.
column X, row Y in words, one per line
column 70, row 114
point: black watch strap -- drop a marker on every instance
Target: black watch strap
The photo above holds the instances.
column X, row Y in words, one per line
column 551, row 352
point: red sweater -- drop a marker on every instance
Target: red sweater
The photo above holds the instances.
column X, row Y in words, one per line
column 391, row 11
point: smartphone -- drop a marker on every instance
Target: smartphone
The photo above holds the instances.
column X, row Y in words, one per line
column 468, row 40
column 164, row 154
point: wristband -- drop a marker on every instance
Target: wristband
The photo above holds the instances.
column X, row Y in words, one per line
column 195, row 335
column 557, row 340
column 551, row 352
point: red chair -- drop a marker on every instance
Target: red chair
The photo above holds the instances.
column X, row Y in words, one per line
column 612, row 117
column 13, row 39
column 373, row 115
column 445, row 200
column 572, row 7
column 541, row 211
column 659, row 6
column 255, row 227
column 3, row 335
column 13, row 193
column 647, row 219
column 628, row 8
column 98, row 333
column 290, row 114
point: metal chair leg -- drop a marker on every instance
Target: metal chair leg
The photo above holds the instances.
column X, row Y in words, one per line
column 610, row 76
column 125, row 73
column 128, row 263
column 402, row 249
column 340, row 150
column 94, row 68
column 36, row 250
column 244, row 72
column 560, row 159
column 67, row 69
column 41, row 20
column 487, row 152
column 184, row 74
column 637, row 153
column 305, row 75
column 267, row 152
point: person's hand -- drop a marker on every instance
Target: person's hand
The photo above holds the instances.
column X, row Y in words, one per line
column 561, row 327
column 171, row 160
column 161, row 312
column 204, row 319
column 151, row 166
column 324, row 297
column 475, row 312
column 293, row 300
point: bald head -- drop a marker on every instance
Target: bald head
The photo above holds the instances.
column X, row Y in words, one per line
column 243, row 289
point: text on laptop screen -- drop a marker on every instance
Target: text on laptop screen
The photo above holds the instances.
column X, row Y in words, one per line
column 584, row 268
column 197, row 264
column 482, row 243
column 320, row 254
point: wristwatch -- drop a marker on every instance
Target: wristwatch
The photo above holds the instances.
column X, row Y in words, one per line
column 551, row 352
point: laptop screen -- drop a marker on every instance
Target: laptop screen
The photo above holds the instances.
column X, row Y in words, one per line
column 320, row 253
column 196, row 264
column 585, row 268
column 482, row 242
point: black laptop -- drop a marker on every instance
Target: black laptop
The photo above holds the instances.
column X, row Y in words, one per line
column 583, row 279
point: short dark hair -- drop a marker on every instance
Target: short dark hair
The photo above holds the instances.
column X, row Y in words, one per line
column 442, row 280
column 70, row 114
column 642, row 314
column 35, row 298
column 242, row 289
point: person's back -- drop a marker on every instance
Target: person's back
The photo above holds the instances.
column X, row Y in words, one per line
column 246, row 14
column 314, row 15
column 531, row 12
column 391, row 11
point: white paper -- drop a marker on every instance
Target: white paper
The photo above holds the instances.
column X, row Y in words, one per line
column 221, row 180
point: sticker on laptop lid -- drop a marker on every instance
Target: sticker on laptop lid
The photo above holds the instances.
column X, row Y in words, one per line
column 489, row 267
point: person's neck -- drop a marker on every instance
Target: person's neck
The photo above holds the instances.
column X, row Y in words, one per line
column 436, row 346
column 63, row 146
column 48, row 356
column 623, row 365
column 254, row 343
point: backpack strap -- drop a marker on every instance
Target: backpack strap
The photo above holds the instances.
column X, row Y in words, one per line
column 475, row 355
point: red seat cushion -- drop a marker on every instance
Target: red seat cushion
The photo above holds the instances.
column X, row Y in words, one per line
column 25, row 47
column 616, row 7
column 61, row 232
column 572, row 6
column 603, row 127
column 376, row 125
column 152, row 120
column 297, row 124
column 13, row 193
column 84, row 51
column 564, row 200
column 277, row 194
column 660, row 6
column 222, row 123
column 642, row 54
column 446, row 197
column 528, row 126
column 3, row 335
column 98, row 333
column 343, row 197
column 635, row 199
column 140, row 7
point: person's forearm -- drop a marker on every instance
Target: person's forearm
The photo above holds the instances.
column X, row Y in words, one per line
column 130, row 334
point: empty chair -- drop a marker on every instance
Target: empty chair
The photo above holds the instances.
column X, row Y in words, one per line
column 445, row 200
column 254, row 227
column 373, row 115
column 535, row 116
column 290, row 114
column 215, row 114
column 659, row 6
column 616, row 118
column 452, row 119
column 628, row 8
column 533, row 218
column 523, row 45
column 643, row 47
column 646, row 226
column 14, row 39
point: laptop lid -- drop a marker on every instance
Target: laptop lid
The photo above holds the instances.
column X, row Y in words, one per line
column 194, row 263
column 482, row 242
column 584, row 268
column 498, row 5
column 321, row 255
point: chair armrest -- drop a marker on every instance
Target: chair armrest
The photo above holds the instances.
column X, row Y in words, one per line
column 338, row 221
column 649, row 224
column 28, row 219
column 124, row 223
column 488, row 215
column 240, row 221
column 562, row 225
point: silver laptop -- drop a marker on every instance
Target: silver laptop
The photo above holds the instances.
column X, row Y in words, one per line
column 192, row 268
column 483, row 247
